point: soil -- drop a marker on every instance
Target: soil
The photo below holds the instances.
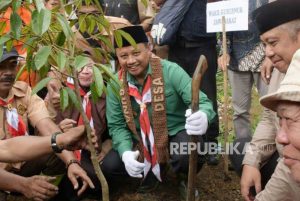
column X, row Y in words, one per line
column 210, row 183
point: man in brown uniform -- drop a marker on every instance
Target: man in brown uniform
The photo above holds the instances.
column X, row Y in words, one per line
column 285, row 101
column 280, row 33
column 72, row 140
column 18, row 108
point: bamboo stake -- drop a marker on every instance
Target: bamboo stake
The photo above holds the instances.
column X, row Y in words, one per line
column 225, row 112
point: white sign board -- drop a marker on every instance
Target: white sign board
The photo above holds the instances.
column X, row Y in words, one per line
column 235, row 12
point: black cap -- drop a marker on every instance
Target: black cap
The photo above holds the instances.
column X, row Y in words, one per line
column 276, row 13
column 7, row 55
column 136, row 32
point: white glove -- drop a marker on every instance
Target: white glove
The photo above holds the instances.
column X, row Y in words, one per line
column 132, row 166
column 196, row 123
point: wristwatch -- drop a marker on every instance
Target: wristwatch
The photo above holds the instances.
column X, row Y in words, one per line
column 54, row 145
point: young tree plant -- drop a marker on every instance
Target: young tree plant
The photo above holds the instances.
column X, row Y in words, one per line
column 49, row 40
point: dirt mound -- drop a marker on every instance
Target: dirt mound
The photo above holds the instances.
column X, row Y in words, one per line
column 210, row 183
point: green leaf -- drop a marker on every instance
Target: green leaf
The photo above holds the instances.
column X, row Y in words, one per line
column 128, row 37
column 119, row 34
column 41, row 57
column 104, row 90
column 81, row 61
column 64, row 25
column 64, row 99
column 94, row 92
column 2, row 27
column 61, row 38
column 45, row 18
column 110, row 74
column 35, row 22
column 44, row 70
column 92, row 23
column 9, row 45
column 78, row 4
column 103, row 21
column 98, row 55
column 106, row 41
column 72, row 22
column 20, row 71
column 29, row 43
column 41, row 85
column 82, row 23
column 1, row 50
column 29, row 61
column 16, row 23
column 69, row 9
column 39, row 4
column 52, row 59
column 74, row 98
column 4, row 4
column 28, row 2
column 145, row 3
column 16, row 5
column 87, row 2
column 98, row 79
column 61, row 60
column 115, row 88
column 97, row 4
column 118, row 38
column 4, row 39
column 40, row 21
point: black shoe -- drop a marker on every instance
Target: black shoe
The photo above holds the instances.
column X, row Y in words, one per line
column 149, row 184
column 212, row 160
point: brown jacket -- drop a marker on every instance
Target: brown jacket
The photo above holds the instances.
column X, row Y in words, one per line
column 263, row 143
column 281, row 186
column 98, row 115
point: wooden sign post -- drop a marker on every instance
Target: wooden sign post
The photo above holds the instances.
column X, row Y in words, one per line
column 226, row 16
column 225, row 88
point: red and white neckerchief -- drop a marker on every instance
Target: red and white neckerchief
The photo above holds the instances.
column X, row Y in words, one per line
column 87, row 107
column 15, row 124
column 150, row 157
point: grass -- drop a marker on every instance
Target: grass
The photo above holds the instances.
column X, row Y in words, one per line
column 255, row 110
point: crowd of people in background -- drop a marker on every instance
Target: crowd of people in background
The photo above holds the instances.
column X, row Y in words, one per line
column 152, row 106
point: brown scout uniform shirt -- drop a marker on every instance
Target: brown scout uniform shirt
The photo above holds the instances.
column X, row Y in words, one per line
column 281, row 186
column 30, row 107
column 263, row 143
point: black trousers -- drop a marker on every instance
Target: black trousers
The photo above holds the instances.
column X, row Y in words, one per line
column 115, row 173
column 266, row 171
column 49, row 165
column 114, row 168
column 186, row 54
